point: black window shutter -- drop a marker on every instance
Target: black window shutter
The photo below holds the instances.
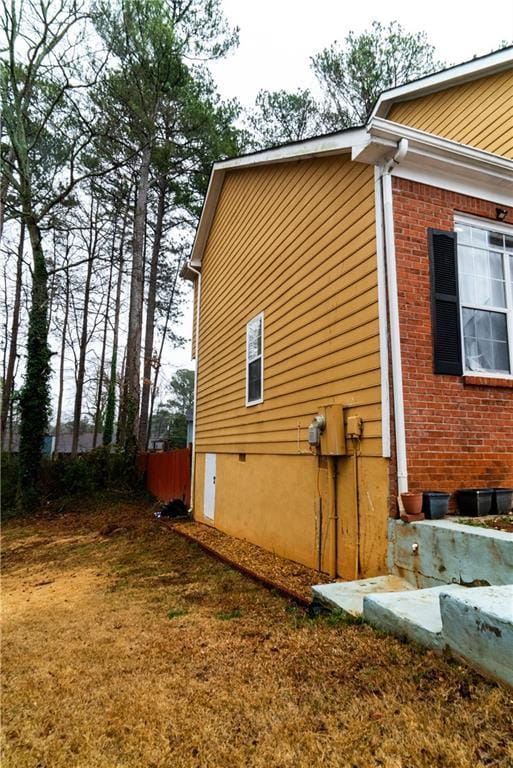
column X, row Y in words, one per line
column 445, row 303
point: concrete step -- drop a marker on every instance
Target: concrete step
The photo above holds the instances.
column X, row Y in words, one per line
column 477, row 625
column 348, row 595
column 413, row 614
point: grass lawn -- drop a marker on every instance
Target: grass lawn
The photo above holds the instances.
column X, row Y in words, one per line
column 126, row 646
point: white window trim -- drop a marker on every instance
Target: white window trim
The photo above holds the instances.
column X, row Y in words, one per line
column 505, row 229
column 249, row 402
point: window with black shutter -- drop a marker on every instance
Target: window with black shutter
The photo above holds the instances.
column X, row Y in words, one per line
column 472, row 297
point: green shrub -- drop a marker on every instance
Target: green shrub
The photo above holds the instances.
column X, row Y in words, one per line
column 8, row 483
column 101, row 469
column 98, row 470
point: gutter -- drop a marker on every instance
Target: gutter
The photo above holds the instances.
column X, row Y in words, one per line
column 196, row 377
column 393, row 308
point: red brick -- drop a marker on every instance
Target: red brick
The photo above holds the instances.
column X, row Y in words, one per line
column 459, row 431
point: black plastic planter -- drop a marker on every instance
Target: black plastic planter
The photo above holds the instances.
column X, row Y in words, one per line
column 474, row 502
column 435, row 504
column 502, row 501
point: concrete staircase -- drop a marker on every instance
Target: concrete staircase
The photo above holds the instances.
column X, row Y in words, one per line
column 471, row 614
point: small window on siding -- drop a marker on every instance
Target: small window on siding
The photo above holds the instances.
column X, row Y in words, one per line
column 255, row 360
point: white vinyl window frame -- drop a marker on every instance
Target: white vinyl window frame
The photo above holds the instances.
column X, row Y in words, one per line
column 252, row 357
column 489, row 225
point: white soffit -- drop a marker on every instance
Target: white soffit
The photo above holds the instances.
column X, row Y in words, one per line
column 439, row 162
column 462, row 73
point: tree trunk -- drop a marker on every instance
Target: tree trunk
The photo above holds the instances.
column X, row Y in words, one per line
column 13, row 348
column 5, row 340
column 162, row 341
column 129, row 415
column 150, row 316
column 4, row 186
column 110, row 408
column 61, row 369
column 77, row 411
column 34, row 398
column 121, row 384
column 97, row 415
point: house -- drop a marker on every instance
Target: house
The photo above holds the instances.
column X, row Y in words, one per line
column 354, row 321
column 85, row 443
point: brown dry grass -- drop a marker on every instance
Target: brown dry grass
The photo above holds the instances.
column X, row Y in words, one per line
column 132, row 647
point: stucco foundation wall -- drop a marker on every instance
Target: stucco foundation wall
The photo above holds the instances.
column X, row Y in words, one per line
column 435, row 552
column 273, row 501
column 458, row 434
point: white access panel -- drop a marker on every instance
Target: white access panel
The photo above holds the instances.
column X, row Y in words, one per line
column 209, row 495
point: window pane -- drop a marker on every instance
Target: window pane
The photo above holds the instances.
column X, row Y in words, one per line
column 485, row 354
column 467, row 287
column 496, row 265
column 255, row 338
column 479, row 236
column 465, row 260
column 501, row 356
column 486, row 340
column 255, row 380
column 483, row 325
column 497, row 295
column 508, row 242
column 496, row 239
column 469, row 323
column 481, row 263
column 463, row 233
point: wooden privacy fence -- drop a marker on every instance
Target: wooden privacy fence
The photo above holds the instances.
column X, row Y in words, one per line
column 168, row 474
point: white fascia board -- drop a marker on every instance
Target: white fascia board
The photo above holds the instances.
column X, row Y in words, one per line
column 207, row 215
column 462, row 73
column 333, row 144
column 439, row 162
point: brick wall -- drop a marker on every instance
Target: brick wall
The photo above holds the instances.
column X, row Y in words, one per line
column 459, row 432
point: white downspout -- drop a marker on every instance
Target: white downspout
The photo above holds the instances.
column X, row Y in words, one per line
column 393, row 308
column 196, row 377
column 383, row 317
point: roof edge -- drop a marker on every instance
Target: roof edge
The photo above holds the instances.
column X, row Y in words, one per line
column 446, row 78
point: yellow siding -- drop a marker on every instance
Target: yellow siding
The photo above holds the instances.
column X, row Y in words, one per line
column 479, row 113
column 296, row 241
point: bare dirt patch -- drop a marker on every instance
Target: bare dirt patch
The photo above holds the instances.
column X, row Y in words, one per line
column 137, row 649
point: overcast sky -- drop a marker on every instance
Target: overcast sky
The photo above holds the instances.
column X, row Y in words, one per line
column 277, row 37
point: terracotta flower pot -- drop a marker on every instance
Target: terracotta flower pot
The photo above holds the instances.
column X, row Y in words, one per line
column 412, row 503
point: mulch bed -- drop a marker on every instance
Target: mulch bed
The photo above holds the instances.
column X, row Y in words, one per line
column 291, row 578
column 501, row 523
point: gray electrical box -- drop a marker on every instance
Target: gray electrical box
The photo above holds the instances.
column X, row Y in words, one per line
column 314, row 435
